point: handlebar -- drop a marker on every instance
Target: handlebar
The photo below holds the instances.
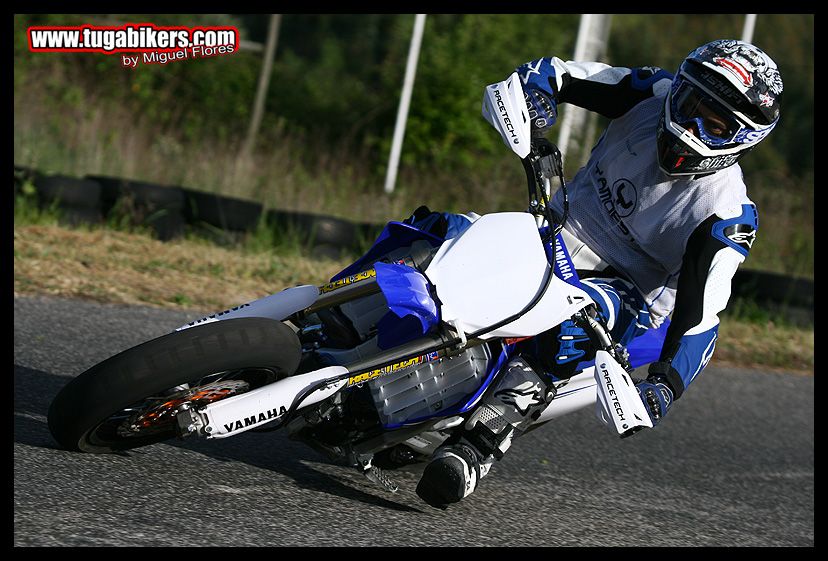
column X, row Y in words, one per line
column 505, row 108
column 542, row 164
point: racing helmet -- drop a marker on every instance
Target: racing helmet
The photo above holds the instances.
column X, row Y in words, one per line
column 723, row 101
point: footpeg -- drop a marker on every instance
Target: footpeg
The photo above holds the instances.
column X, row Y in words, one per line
column 380, row 477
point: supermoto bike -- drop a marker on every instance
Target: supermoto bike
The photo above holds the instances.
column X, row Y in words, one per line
column 380, row 366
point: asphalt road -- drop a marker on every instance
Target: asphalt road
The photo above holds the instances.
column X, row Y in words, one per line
column 732, row 465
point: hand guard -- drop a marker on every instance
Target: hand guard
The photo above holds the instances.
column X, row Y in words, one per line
column 656, row 395
column 538, row 87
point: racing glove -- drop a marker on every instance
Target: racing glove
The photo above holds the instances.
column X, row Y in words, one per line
column 539, row 81
column 656, row 393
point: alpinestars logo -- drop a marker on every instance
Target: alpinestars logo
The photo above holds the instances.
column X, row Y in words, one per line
column 741, row 234
column 530, row 70
column 523, row 397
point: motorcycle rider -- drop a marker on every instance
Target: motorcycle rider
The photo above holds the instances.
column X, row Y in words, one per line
column 659, row 220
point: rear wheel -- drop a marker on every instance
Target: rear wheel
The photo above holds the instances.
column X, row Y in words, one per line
column 131, row 399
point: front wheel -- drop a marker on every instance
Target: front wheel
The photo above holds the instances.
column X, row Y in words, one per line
column 132, row 398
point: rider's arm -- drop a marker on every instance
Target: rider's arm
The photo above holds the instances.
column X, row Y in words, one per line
column 713, row 253
column 608, row 90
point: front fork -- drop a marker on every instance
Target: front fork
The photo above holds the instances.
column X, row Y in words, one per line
column 619, row 406
column 607, row 384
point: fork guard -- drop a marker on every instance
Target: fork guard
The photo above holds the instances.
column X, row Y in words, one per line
column 255, row 408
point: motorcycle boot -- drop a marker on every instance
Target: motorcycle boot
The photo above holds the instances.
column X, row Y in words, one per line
column 506, row 411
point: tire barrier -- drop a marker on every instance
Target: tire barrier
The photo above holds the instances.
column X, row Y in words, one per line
column 169, row 209
column 78, row 200
column 325, row 235
column 226, row 213
column 315, row 229
column 158, row 206
column 773, row 289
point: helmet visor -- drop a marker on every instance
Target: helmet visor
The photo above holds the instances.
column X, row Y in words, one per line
column 695, row 109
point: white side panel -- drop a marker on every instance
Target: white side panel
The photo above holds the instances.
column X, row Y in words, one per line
column 717, row 288
column 493, row 270
column 276, row 306
column 243, row 412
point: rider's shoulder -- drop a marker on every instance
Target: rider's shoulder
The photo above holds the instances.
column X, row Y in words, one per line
column 655, row 77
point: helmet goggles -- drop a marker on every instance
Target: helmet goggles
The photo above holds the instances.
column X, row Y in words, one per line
column 716, row 125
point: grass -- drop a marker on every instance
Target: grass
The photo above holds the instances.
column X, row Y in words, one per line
column 130, row 267
column 768, row 345
column 293, row 173
column 289, row 173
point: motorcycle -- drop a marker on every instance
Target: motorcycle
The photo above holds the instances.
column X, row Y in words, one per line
column 379, row 367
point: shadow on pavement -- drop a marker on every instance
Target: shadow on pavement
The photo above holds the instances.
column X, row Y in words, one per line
column 35, row 389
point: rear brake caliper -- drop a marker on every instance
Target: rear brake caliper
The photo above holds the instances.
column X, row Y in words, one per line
column 178, row 409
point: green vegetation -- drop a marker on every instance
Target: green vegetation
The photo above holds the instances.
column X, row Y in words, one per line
column 324, row 145
column 332, row 104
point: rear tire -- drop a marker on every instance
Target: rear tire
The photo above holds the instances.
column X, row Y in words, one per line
column 91, row 412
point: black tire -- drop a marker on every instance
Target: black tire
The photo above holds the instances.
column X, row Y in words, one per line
column 315, row 229
column 157, row 206
column 222, row 212
column 767, row 287
column 157, row 196
column 88, row 413
column 77, row 216
column 68, row 191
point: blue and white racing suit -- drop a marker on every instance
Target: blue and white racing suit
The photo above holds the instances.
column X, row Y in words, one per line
column 653, row 244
